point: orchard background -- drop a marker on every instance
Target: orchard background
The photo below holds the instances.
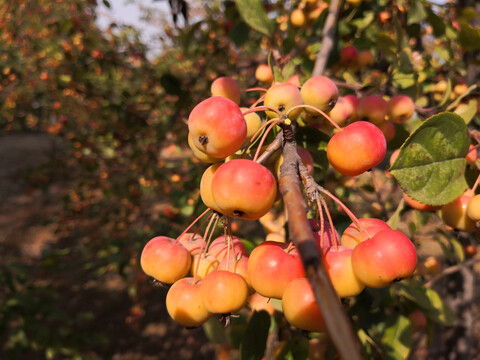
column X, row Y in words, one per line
column 94, row 162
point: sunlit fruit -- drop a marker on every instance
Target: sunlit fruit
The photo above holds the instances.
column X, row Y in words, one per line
column 455, row 215
column 354, row 235
column 165, row 259
column 185, row 305
column 224, row 292
column 300, row 307
column 283, row 97
column 400, row 108
column 357, row 148
column 227, row 88
column 243, row 189
column 372, row 108
column 319, row 92
column 217, row 126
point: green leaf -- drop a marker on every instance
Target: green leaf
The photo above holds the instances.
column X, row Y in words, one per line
column 386, row 44
column 429, row 301
column 431, row 163
column 416, row 12
column 395, row 218
column 447, row 94
column 255, row 338
column 437, row 23
column 460, row 97
column 469, row 36
column 404, row 80
column 467, row 111
column 239, row 34
column 457, row 250
column 295, row 349
column 397, row 337
column 253, row 13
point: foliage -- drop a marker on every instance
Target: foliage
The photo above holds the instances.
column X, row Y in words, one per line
column 120, row 117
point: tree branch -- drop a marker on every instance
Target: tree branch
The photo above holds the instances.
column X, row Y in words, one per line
column 336, row 320
column 327, row 39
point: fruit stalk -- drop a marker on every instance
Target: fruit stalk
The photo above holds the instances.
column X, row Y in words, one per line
column 336, row 320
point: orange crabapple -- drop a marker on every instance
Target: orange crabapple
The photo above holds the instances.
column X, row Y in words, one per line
column 227, row 88
column 319, row 92
column 283, row 97
column 372, row 108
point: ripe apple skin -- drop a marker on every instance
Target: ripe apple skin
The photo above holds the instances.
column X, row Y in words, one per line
column 254, row 122
column 356, row 149
column 400, row 108
column 348, row 55
column 264, row 74
column 219, row 247
column 206, row 187
column 224, row 292
column 237, row 265
column 472, row 154
column 192, row 242
column 165, row 259
column 298, row 18
column 342, row 111
column 417, row 205
column 388, row 256
column 455, row 215
column 217, row 126
column 283, row 96
column 199, row 154
column 354, row 101
column 184, row 303
column 330, row 237
column 300, row 307
column 365, row 58
column 243, row 189
column 473, row 208
column 338, row 262
column 270, row 261
column 372, row 108
column 320, row 92
column 388, row 129
column 208, row 263
column 227, row 88
column 353, row 235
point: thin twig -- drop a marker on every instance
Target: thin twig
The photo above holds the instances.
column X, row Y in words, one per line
column 327, row 38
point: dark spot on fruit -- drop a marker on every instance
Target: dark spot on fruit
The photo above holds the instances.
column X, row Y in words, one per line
column 281, row 107
column 332, row 103
column 237, row 213
column 203, row 139
column 364, row 118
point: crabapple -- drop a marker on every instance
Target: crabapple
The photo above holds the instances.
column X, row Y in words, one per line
column 400, row 108
column 217, row 126
column 354, row 235
column 338, row 261
column 199, row 154
column 239, row 265
column 432, row 265
column 319, row 92
column 357, row 148
column 243, row 189
column 388, row 256
column 227, row 88
column 298, row 18
column 165, row 259
column 330, row 237
column 184, row 303
column 203, row 264
column 354, row 101
column 472, row 154
column 224, row 292
column 220, row 247
column 388, row 129
column 254, row 122
column 257, row 302
column 473, row 208
column 417, row 205
column 454, row 214
column 300, row 307
column 192, row 242
column 372, row 108
column 348, row 55
column 271, row 267
column 283, row 96
column 206, row 187
column 365, row 58
column 263, row 73
column 342, row 111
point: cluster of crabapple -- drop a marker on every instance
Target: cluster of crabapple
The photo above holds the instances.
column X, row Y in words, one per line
column 218, row 276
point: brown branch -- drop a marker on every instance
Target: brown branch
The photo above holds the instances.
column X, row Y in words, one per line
column 271, row 148
column 327, row 39
column 451, row 270
column 337, row 322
